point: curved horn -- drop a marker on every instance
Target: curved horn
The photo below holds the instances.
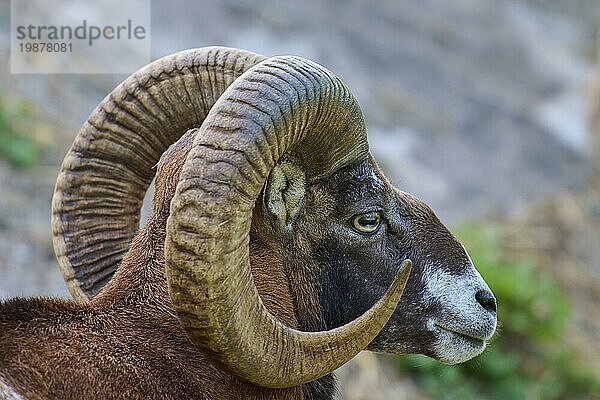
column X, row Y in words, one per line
column 105, row 174
column 283, row 104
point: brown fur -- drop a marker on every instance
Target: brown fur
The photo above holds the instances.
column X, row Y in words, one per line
column 127, row 342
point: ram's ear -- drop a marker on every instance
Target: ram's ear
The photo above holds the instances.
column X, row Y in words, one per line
column 284, row 192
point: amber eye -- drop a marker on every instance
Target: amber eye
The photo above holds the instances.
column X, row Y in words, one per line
column 366, row 223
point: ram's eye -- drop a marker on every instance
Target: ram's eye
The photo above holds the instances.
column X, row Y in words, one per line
column 366, row 223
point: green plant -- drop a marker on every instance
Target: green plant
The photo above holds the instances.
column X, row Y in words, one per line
column 19, row 149
column 527, row 359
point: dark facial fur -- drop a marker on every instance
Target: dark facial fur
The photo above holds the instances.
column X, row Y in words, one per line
column 338, row 273
column 315, row 276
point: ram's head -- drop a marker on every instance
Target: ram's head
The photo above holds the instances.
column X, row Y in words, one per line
column 274, row 204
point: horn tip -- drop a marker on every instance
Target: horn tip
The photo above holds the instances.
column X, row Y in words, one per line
column 403, row 273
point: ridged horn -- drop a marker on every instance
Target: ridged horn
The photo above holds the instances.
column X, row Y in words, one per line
column 283, row 104
column 105, row 174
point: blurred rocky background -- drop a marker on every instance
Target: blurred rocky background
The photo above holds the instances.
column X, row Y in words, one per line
column 489, row 110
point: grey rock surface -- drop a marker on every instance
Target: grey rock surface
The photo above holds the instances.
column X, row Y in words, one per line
column 476, row 106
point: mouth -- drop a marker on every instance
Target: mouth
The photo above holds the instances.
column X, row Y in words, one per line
column 454, row 345
column 475, row 339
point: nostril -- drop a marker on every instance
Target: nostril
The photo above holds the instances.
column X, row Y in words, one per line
column 486, row 299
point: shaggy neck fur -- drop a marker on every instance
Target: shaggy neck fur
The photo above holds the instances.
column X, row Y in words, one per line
column 146, row 288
